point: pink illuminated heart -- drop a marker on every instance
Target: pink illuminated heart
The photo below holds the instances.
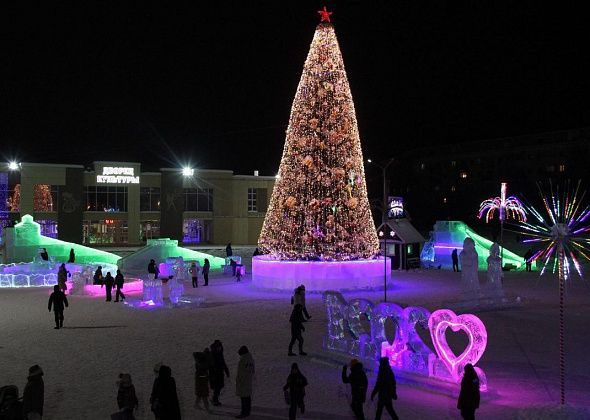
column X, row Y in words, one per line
column 476, row 334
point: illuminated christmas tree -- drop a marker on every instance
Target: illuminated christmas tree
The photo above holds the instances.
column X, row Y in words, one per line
column 319, row 207
column 42, row 199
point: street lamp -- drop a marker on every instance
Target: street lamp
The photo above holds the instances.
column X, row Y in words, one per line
column 187, row 171
column 384, row 170
column 382, row 235
column 13, row 166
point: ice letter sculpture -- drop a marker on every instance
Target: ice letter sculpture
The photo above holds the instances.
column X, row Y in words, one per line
column 407, row 352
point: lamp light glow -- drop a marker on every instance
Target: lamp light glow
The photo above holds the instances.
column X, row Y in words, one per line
column 186, row 171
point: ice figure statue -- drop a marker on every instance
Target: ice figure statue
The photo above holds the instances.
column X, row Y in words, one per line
column 494, row 284
column 469, row 277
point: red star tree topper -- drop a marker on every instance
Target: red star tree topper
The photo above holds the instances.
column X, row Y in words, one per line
column 325, row 15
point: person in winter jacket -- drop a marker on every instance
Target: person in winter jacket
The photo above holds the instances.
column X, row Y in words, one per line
column 34, row 394
column 194, row 272
column 358, row 387
column 164, row 400
column 218, row 369
column 455, row 259
column 98, row 278
column 295, row 385
column 126, row 398
column 469, row 396
column 228, row 251
column 153, row 268
column 297, row 328
column 119, row 281
column 385, row 388
column 206, row 267
column 58, row 300
column 245, row 381
column 299, row 297
column 109, row 283
column 62, row 277
column 72, row 257
column 202, row 368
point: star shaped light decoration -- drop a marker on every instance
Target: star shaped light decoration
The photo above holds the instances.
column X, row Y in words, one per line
column 325, row 15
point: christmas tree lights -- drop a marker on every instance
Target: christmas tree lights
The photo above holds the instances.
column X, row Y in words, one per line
column 319, row 208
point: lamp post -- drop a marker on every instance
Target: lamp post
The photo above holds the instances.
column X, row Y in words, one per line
column 384, row 171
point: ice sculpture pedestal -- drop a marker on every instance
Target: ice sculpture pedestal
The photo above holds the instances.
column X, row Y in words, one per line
column 269, row 273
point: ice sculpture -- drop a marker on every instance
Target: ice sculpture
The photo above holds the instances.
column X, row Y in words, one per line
column 22, row 244
column 162, row 249
column 495, row 274
column 469, row 277
column 407, row 352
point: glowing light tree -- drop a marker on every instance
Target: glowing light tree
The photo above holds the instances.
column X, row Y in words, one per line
column 563, row 238
column 507, row 208
column 319, row 210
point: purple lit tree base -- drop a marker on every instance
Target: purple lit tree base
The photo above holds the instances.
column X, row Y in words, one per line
column 561, row 235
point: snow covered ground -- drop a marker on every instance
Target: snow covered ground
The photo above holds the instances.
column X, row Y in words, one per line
column 100, row 339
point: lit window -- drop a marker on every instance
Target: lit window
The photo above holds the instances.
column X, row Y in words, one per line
column 463, row 174
column 453, row 163
column 453, row 188
column 562, row 168
column 422, row 166
column 252, row 205
column 445, row 200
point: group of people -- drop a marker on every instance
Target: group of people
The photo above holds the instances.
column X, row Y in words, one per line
column 109, row 283
column 194, row 270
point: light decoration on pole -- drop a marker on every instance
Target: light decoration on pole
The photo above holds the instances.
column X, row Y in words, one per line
column 508, row 208
column 563, row 237
column 319, row 208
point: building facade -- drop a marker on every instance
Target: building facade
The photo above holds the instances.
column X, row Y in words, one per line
column 115, row 203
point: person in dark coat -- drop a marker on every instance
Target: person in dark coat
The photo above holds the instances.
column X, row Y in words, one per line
column 206, row 267
column 44, row 255
column 58, row 300
column 153, row 268
column 527, row 260
column 228, row 251
column 358, row 387
column 233, row 266
column 385, row 388
column 109, row 283
column 98, row 278
column 72, row 257
column 62, row 277
column 202, row 369
column 455, row 259
column 256, row 252
column 469, row 396
column 295, row 386
column 34, row 394
column 126, row 398
column 218, row 369
column 164, row 400
column 297, row 328
column 119, row 281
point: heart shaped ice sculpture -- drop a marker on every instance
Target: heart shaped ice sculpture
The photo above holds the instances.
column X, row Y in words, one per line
column 476, row 332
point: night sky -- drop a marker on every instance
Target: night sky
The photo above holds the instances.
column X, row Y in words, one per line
column 213, row 83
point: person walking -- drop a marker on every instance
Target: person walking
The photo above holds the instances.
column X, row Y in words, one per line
column 299, row 298
column 469, row 395
column 126, row 398
column 218, row 369
column 297, row 328
column 385, row 388
column 206, row 267
column 98, row 278
column 245, row 381
column 58, row 300
column 295, row 391
column 119, row 281
column 34, row 394
column 109, row 283
column 455, row 259
column 44, row 255
column 153, row 268
column 164, row 399
column 202, row 368
column 72, row 257
column 194, row 272
column 358, row 387
column 228, row 251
